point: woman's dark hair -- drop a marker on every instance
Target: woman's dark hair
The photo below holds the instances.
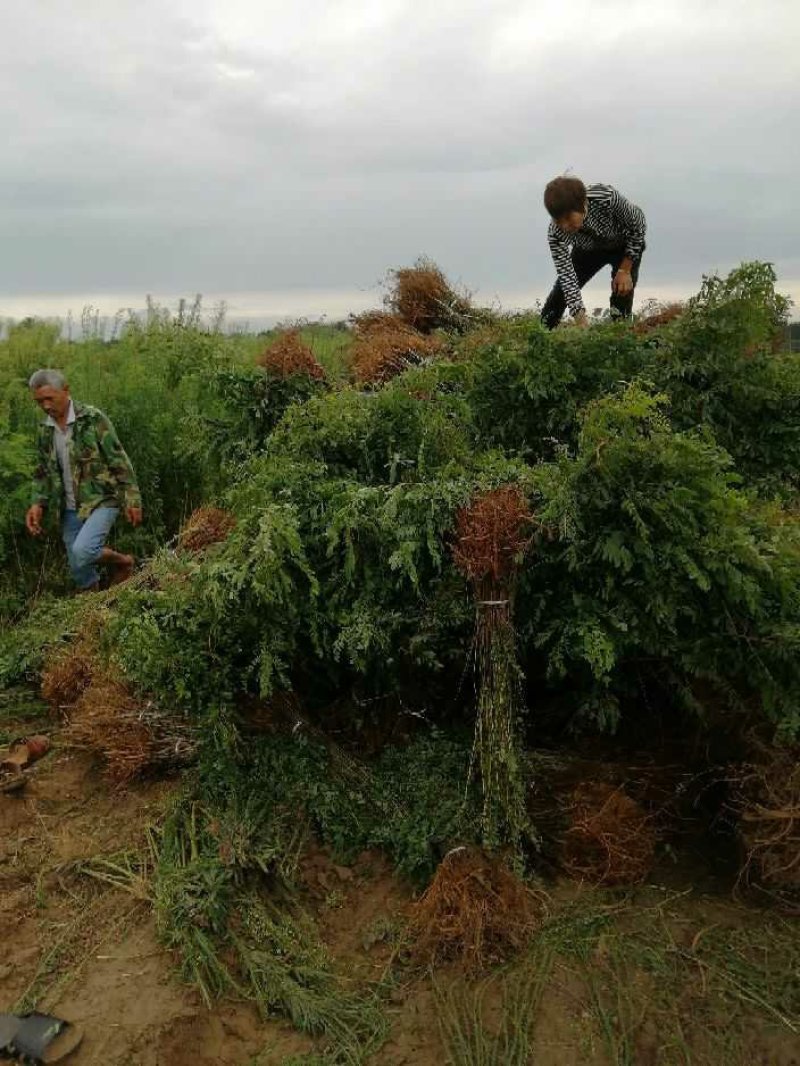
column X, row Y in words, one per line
column 564, row 194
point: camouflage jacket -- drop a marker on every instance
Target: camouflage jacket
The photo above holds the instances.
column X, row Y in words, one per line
column 102, row 473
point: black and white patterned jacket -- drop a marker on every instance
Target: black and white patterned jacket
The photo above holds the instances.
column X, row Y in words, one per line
column 611, row 222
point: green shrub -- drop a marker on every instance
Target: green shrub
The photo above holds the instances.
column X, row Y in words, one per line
column 662, row 562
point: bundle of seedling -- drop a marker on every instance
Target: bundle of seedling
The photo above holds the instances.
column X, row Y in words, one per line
column 492, row 536
column 104, row 715
column 475, row 912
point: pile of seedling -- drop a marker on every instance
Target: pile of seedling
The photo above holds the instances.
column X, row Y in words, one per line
column 475, row 525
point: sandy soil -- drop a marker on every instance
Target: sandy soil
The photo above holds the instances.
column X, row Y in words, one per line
column 88, row 951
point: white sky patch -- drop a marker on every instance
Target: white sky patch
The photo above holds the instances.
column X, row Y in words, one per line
column 240, row 146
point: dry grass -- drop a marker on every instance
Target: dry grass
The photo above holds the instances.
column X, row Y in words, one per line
column 205, row 526
column 289, row 356
column 611, row 839
column 385, row 345
column 475, row 912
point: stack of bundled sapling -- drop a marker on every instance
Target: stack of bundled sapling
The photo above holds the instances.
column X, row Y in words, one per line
column 420, row 302
column 492, row 535
column 424, row 299
column 385, row 345
column 289, row 356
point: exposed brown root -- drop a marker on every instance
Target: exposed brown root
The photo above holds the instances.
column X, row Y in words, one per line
column 133, row 738
column 493, row 533
column 69, row 669
column 611, row 839
column 475, row 912
column 424, row 299
column 766, row 801
column 289, row 356
column 66, row 676
column 205, row 526
column 385, row 345
column 657, row 314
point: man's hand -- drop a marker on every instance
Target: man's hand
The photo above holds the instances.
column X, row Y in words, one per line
column 622, row 282
column 134, row 515
column 33, row 519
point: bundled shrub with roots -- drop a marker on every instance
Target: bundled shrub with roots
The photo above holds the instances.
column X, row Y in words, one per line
column 765, row 798
column 385, row 345
column 475, row 912
column 289, row 356
column 69, row 668
column 424, row 299
column 66, row 675
column 205, row 526
column 492, row 535
column 133, row 737
column 611, row 839
column 104, row 716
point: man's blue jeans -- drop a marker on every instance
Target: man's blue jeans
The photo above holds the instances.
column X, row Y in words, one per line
column 85, row 540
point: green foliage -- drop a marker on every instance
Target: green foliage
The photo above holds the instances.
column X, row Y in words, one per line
column 647, row 456
column 411, row 801
column 528, row 390
column 722, row 369
column 233, row 937
column 382, row 437
column 242, row 406
column 663, row 561
column 24, row 647
column 718, row 364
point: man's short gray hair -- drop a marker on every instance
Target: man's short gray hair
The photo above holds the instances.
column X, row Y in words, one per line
column 54, row 378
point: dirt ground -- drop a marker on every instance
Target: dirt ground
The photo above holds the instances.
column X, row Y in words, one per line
column 86, row 951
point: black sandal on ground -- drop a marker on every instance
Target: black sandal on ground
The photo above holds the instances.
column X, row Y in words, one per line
column 39, row 1038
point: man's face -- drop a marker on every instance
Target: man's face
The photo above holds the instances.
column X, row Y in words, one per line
column 572, row 221
column 54, row 402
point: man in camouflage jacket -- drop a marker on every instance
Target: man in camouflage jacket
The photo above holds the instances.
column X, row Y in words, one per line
column 83, row 469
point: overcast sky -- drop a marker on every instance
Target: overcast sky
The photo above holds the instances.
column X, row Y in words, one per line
column 285, row 154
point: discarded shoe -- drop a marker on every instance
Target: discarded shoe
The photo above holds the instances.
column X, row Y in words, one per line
column 24, row 752
column 37, row 1037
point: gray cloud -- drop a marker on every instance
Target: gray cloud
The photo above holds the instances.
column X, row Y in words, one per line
column 239, row 146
